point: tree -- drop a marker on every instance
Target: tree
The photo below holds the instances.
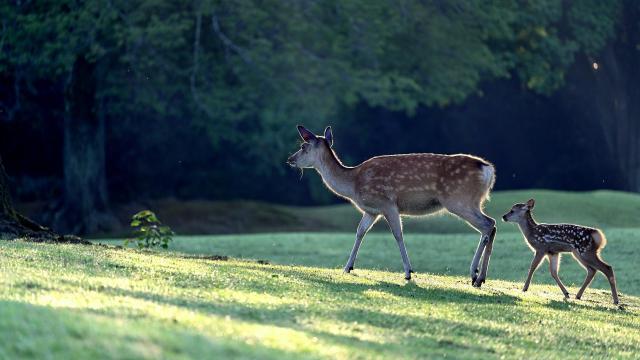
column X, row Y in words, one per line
column 65, row 41
column 14, row 225
column 81, row 46
column 604, row 86
column 247, row 71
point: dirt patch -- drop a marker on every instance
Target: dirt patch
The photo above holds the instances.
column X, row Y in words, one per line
column 207, row 257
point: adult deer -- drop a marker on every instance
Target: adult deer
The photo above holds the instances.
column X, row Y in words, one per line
column 410, row 184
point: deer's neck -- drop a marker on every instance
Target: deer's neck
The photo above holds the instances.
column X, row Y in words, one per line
column 527, row 224
column 336, row 176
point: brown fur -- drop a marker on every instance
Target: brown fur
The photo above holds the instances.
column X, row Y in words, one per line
column 420, row 184
column 406, row 185
column 550, row 240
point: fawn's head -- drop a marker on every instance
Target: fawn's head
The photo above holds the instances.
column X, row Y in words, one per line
column 312, row 150
column 518, row 211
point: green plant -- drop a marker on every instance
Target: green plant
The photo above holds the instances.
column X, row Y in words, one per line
column 148, row 231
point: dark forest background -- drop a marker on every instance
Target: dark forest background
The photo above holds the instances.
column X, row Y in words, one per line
column 113, row 102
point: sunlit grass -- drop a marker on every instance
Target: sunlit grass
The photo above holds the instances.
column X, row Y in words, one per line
column 65, row 301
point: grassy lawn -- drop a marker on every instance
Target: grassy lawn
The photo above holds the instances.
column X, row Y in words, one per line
column 66, row 301
column 283, row 295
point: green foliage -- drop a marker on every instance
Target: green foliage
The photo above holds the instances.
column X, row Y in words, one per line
column 246, row 71
column 149, row 231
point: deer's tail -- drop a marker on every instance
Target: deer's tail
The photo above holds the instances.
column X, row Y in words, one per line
column 599, row 239
column 488, row 177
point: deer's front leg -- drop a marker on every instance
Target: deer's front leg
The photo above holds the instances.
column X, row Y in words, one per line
column 554, row 264
column 537, row 258
column 366, row 223
column 393, row 219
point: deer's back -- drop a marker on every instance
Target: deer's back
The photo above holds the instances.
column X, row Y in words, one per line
column 417, row 183
column 566, row 237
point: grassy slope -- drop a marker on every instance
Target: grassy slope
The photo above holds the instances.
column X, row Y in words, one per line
column 445, row 254
column 65, row 301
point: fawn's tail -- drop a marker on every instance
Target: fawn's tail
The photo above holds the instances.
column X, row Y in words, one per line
column 599, row 239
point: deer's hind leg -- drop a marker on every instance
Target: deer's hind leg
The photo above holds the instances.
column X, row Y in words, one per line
column 591, row 273
column 593, row 259
column 487, row 228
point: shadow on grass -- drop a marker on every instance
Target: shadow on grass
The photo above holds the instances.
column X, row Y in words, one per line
column 346, row 302
column 330, row 281
column 431, row 332
column 32, row 331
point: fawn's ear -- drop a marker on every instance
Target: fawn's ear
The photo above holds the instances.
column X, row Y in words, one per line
column 531, row 203
column 328, row 135
column 305, row 134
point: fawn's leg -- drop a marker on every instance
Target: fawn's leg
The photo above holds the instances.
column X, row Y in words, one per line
column 537, row 258
column 393, row 219
column 366, row 223
column 486, row 227
column 594, row 260
column 554, row 264
column 591, row 272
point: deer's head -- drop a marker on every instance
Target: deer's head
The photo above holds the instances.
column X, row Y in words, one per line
column 312, row 150
column 518, row 211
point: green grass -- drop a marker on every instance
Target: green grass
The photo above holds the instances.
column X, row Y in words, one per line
column 444, row 254
column 71, row 301
column 283, row 295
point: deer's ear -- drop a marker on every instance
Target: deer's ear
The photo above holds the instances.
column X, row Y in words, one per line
column 328, row 135
column 305, row 134
column 531, row 203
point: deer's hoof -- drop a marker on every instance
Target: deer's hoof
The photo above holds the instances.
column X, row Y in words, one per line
column 407, row 277
column 479, row 281
column 347, row 270
column 578, row 297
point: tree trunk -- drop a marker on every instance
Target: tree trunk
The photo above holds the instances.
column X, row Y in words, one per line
column 6, row 206
column 13, row 225
column 84, row 208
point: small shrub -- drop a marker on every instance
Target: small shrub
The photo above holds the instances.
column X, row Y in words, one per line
column 148, row 231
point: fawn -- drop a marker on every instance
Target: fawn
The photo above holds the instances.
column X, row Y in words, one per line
column 550, row 240
column 410, row 184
